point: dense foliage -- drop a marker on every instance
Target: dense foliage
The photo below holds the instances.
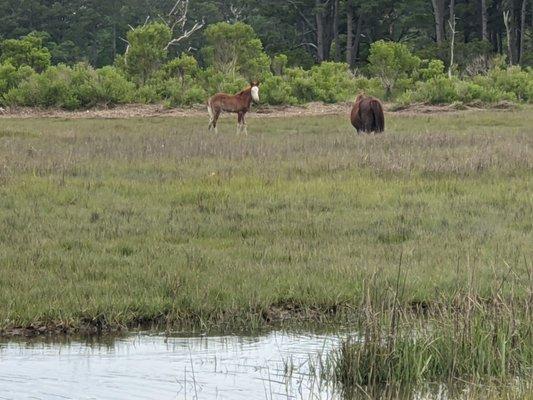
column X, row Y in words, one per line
column 82, row 54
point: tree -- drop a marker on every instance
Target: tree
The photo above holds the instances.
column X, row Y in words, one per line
column 522, row 30
column 235, row 48
column 26, row 51
column 352, row 38
column 147, row 50
column 484, row 19
column 452, row 24
column 390, row 61
column 438, row 12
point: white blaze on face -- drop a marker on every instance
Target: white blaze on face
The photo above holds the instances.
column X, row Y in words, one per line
column 255, row 94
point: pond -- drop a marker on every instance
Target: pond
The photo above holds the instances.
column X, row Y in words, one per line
column 277, row 365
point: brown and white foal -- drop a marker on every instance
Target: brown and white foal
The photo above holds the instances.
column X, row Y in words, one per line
column 239, row 103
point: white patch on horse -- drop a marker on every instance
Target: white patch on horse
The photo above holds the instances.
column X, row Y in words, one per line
column 255, row 94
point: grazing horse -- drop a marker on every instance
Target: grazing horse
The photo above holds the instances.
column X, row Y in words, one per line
column 367, row 114
column 239, row 103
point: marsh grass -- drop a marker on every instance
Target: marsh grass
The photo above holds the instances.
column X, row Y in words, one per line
column 473, row 340
column 121, row 223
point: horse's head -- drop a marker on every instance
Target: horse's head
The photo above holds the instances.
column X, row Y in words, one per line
column 360, row 96
column 255, row 90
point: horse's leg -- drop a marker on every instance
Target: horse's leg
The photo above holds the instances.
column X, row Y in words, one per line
column 214, row 120
column 240, row 119
column 210, row 111
column 244, row 124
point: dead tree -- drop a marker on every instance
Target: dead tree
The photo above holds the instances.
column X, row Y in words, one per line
column 522, row 31
column 176, row 21
column 507, row 22
column 451, row 22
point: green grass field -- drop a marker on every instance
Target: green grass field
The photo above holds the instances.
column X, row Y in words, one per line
column 133, row 221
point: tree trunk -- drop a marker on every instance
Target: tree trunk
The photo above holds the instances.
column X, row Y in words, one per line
column 452, row 35
column 349, row 33
column 511, row 30
column 438, row 12
column 114, row 41
column 319, row 17
column 484, row 19
column 522, row 30
column 336, row 30
column 357, row 36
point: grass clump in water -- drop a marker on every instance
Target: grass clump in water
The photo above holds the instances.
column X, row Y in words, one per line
column 472, row 340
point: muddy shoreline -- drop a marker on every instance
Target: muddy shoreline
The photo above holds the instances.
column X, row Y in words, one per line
column 282, row 315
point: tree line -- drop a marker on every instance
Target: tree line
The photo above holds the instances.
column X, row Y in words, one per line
column 306, row 31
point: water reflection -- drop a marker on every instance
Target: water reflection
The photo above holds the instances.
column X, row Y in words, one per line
column 274, row 366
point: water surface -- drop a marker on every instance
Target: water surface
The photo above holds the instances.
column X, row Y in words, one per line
column 274, row 366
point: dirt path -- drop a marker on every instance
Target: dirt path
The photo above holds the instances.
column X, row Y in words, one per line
column 158, row 110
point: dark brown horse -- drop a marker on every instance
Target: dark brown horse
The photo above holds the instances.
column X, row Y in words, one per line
column 367, row 114
column 239, row 103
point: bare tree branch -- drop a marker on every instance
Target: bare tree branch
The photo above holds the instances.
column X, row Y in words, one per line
column 177, row 19
column 185, row 35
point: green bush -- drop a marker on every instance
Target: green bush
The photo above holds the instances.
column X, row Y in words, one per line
column 146, row 51
column 302, row 87
column 28, row 51
column 391, row 61
column 433, row 69
column 332, row 82
column 235, row 49
column 181, row 67
column 11, row 77
column 510, row 80
column 179, row 95
column 147, row 94
column 438, row 90
column 113, row 87
column 370, row 86
column 70, row 88
column 52, row 88
column 278, row 64
column 276, row 90
column 215, row 82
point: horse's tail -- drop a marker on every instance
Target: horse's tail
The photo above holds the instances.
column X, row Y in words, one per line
column 379, row 117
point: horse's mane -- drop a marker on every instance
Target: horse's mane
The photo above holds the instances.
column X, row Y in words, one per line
column 244, row 90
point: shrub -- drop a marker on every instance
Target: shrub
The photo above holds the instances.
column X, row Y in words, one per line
column 279, row 63
column 370, row 86
column 391, row 61
column 147, row 94
column 332, row 82
column 114, row 88
column 511, row 80
column 235, row 49
column 302, row 88
column 214, row 81
column 276, row 90
column 179, row 95
column 434, row 69
column 146, row 51
column 437, row 90
column 181, row 67
column 52, row 88
column 70, row 88
column 10, row 76
column 26, row 51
